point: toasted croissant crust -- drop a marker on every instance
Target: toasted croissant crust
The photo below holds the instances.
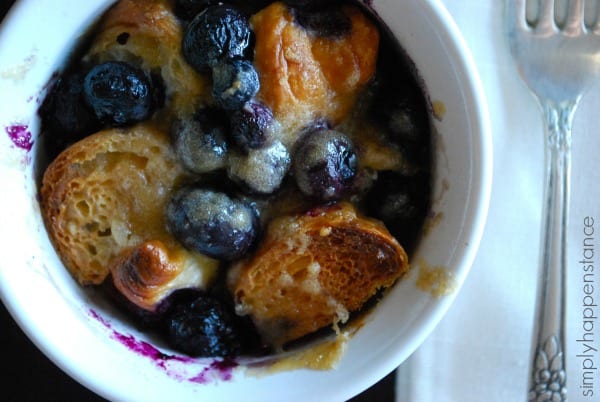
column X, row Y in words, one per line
column 148, row 273
column 147, row 33
column 107, row 193
column 312, row 270
column 306, row 77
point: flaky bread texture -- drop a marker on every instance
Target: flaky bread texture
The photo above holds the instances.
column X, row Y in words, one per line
column 148, row 273
column 146, row 33
column 313, row 270
column 107, row 193
column 307, row 77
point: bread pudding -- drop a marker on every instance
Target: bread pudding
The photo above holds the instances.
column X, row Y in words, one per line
column 246, row 173
column 312, row 270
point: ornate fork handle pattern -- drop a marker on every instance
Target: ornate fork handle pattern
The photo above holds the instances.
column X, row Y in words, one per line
column 548, row 376
column 557, row 62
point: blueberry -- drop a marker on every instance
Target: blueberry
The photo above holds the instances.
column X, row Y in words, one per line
column 253, row 126
column 328, row 22
column 315, row 125
column 118, row 93
column 212, row 223
column 204, row 327
column 200, row 141
column 403, row 116
column 188, row 9
column 159, row 89
column 401, row 202
column 218, row 33
column 307, row 5
column 148, row 319
column 260, row 170
column 325, row 164
column 400, row 110
column 65, row 114
column 234, row 83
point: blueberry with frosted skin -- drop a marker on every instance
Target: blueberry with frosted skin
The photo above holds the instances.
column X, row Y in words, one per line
column 212, row 223
column 260, row 170
column 204, row 327
column 118, row 93
column 253, row 126
column 234, row 83
column 218, row 33
column 325, row 165
column 200, row 141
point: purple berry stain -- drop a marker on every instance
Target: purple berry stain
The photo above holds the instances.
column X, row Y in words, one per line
column 20, row 136
column 174, row 366
column 222, row 369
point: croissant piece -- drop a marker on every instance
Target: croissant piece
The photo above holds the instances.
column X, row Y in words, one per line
column 107, row 193
column 306, row 77
column 313, row 270
column 150, row 272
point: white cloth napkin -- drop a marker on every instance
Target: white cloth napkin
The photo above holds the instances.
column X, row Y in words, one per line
column 480, row 350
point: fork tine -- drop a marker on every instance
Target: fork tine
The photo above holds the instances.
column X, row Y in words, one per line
column 546, row 15
column 595, row 18
column 515, row 15
column 574, row 23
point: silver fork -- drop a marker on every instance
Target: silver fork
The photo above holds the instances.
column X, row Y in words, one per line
column 557, row 61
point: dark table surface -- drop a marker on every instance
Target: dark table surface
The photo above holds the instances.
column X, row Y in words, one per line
column 27, row 375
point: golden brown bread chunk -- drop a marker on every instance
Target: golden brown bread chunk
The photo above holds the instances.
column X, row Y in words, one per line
column 305, row 77
column 312, row 270
column 148, row 273
column 147, row 34
column 106, row 194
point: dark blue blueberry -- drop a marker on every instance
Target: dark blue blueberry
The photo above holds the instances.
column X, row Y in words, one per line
column 402, row 115
column 401, row 202
column 204, row 327
column 149, row 319
column 399, row 109
column 212, row 223
column 235, row 82
column 308, row 5
column 64, row 113
column 218, row 33
column 188, row 9
column 159, row 89
column 118, row 93
column 325, row 164
column 315, row 125
column 329, row 21
column 253, row 126
column 200, row 141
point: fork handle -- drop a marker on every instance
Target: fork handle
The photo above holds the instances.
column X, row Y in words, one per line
column 547, row 369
